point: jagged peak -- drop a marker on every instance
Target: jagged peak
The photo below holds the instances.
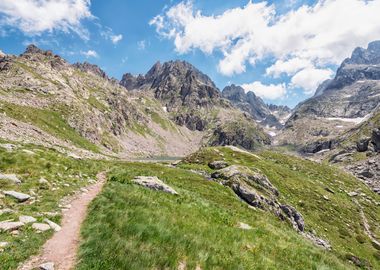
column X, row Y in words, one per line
column 92, row 68
column 33, row 49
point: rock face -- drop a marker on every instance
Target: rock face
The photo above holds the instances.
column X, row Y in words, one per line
column 247, row 102
column 256, row 189
column 94, row 69
column 218, row 164
column 375, row 139
column 266, row 115
column 239, row 133
column 152, row 182
column 355, row 90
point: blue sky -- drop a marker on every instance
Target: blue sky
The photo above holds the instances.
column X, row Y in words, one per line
column 281, row 50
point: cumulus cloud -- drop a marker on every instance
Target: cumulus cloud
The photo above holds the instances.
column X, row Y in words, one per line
column 116, row 38
column 37, row 16
column 141, row 45
column 309, row 78
column 310, row 37
column 271, row 91
column 90, row 53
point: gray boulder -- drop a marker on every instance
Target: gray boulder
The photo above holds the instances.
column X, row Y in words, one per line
column 41, row 227
column 152, row 182
column 20, row 197
column 294, row 216
column 47, row 266
column 10, row 177
column 27, row 219
column 362, row 145
column 376, row 139
column 8, row 226
column 218, row 164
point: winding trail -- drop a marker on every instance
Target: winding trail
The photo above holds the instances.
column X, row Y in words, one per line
column 62, row 248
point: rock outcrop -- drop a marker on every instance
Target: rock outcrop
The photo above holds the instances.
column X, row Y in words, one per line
column 152, row 182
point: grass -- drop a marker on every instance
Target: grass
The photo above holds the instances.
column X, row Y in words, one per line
column 65, row 176
column 49, row 121
column 304, row 184
column 130, row 227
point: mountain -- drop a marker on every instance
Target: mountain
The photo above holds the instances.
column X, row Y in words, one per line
column 341, row 103
column 268, row 116
column 78, row 108
column 247, row 102
column 192, row 100
column 355, row 90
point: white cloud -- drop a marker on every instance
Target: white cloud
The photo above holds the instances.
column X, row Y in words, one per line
column 90, row 53
column 309, row 79
column 36, row 16
column 116, row 38
column 141, row 45
column 271, row 91
column 289, row 67
column 308, row 37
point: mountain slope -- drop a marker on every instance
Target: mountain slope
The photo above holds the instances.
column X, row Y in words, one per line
column 207, row 225
column 341, row 103
column 48, row 101
column 192, row 100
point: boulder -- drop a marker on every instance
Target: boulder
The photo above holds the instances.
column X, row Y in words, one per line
column 21, row 197
column 244, row 226
column 294, row 216
column 362, row 145
column 27, row 219
column 47, row 266
column 152, row 182
column 53, row 225
column 10, row 177
column 41, row 227
column 10, row 225
column 218, row 164
column 375, row 139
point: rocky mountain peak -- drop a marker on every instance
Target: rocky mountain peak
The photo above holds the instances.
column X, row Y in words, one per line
column 234, row 93
column 2, row 54
column 247, row 102
column 369, row 56
column 177, row 83
column 91, row 68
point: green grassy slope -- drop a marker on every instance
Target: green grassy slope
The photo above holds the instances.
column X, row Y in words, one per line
column 130, row 227
column 308, row 186
column 65, row 175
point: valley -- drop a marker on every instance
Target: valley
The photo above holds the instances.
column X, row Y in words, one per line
column 194, row 177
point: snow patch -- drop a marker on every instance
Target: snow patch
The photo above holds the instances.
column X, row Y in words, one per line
column 349, row 120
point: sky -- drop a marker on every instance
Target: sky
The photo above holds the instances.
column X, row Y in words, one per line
column 280, row 50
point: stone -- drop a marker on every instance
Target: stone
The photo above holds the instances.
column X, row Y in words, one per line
column 326, row 198
column 10, row 225
column 244, row 226
column 47, row 266
column 43, row 181
column 152, row 182
column 362, row 144
column 53, row 225
column 375, row 139
column 352, row 194
column 6, row 211
column 8, row 146
column 10, row 177
column 27, row 219
column 294, row 216
column 20, row 197
column 3, row 244
column 218, row 164
column 41, row 227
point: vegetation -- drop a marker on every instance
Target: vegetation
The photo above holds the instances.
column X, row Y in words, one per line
column 147, row 229
column 319, row 192
column 31, row 163
column 50, row 121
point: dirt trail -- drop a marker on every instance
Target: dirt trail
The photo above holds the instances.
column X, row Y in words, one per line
column 62, row 248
